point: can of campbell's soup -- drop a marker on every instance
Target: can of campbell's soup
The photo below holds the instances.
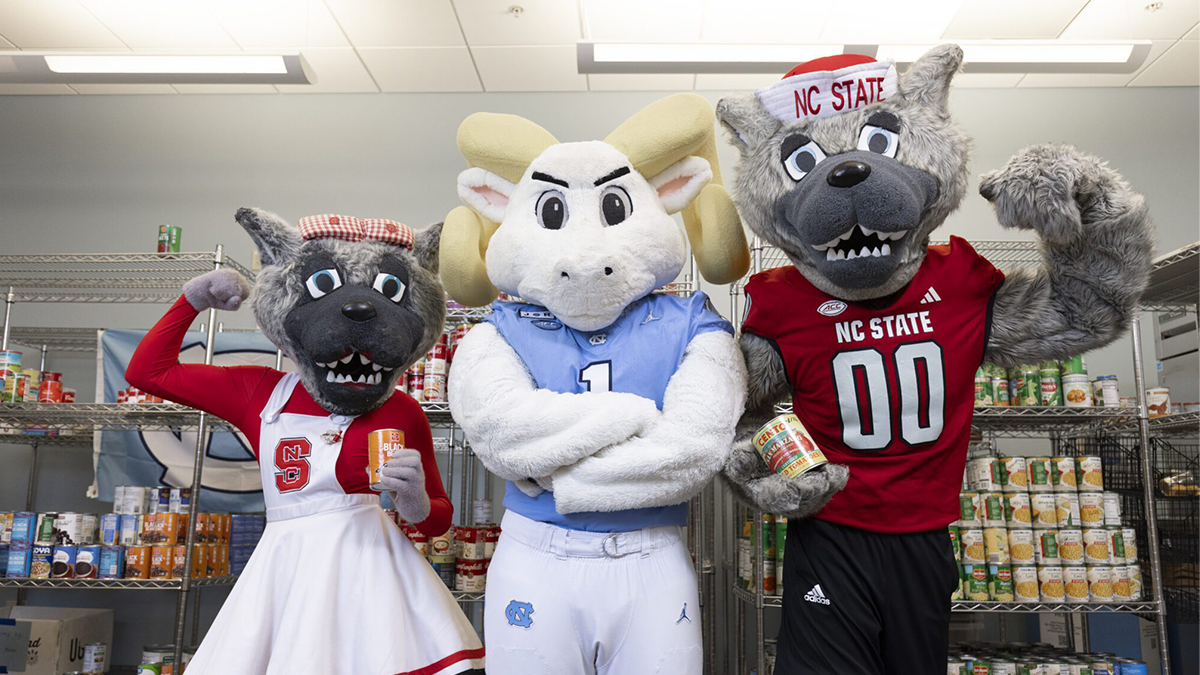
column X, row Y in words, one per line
column 490, row 537
column 382, row 445
column 442, row 544
column 787, row 447
column 469, row 543
column 470, row 576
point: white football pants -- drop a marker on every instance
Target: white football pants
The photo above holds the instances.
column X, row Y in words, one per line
column 568, row 602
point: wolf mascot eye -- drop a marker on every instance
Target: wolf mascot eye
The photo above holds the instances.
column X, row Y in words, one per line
column 323, row 282
column 876, row 335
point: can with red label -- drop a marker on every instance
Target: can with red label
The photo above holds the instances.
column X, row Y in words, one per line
column 469, row 543
column 435, row 370
column 68, row 395
column 51, row 388
column 441, row 545
column 470, row 576
column 786, row 446
column 490, row 536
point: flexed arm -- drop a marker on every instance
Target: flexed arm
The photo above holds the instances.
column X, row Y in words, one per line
column 746, row 472
column 1096, row 238
column 680, row 452
column 521, row 432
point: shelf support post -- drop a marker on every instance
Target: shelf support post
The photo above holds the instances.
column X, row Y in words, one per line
column 197, row 471
column 8, row 303
column 1160, row 612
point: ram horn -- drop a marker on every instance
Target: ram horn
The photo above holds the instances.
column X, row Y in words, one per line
column 665, row 132
column 465, row 236
column 502, row 144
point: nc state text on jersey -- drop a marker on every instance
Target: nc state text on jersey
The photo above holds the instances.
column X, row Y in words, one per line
column 880, row 327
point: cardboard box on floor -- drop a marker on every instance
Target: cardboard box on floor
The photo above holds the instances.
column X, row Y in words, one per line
column 58, row 635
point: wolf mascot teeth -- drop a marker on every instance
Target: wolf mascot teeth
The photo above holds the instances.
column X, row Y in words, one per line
column 352, row 302
column 877, row 335
column 606, row 406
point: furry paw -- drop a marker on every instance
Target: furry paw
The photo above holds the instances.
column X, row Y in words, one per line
column 222, row 289
column 1056, row 191
column 798, row 497
column 404, row 477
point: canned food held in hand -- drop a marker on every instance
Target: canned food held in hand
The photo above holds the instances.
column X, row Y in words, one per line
column 382, row 445
column 787, row 447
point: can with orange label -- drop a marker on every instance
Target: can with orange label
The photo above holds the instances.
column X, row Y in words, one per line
column 199, row 560
column 382, row 445
column 161, row 559
column 137, row 562
column 178, row 561
column 787, row 447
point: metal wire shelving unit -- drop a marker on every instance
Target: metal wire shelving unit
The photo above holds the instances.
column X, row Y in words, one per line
column 1173, row 287
column 106, row 278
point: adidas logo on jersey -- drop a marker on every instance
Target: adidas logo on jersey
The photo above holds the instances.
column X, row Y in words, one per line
column 930, row 296
column 816, row 595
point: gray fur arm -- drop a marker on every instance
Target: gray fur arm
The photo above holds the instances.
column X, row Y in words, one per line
column 676, row 456
column 1096, row 240
column 746, row 473
column 222, row 289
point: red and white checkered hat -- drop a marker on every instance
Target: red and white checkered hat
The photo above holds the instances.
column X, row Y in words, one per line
column 349, row 228
column 828, row 86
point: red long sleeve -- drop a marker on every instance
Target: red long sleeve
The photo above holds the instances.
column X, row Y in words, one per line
column 226, row 392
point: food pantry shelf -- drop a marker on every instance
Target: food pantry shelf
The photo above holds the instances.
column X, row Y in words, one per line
column 128, row 584
column 1037, row 607
column 1038, row 420
column 467, row 596
column 1173, row 281
column 116, row 277
column 57, row 339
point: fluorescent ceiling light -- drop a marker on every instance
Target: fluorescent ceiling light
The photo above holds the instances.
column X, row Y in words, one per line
column 152, row 68
column 994, row 56
column 611, row 57
column 136, row 63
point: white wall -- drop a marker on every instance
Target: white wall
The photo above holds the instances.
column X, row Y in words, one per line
column 99, row 174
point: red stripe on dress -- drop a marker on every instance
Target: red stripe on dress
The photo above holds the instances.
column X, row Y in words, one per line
column 448, row 661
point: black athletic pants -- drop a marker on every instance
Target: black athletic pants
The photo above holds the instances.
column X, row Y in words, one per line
column 865, row 603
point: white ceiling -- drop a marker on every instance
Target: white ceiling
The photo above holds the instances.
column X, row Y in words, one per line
column 480, row 45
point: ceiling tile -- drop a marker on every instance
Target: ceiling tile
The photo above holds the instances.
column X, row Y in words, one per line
column 1129, row 20
column 398, row 23
column 1179, row 67
column 278, row 24
column 1193, row 34
column 415, row 69
column 1017, row 19
column 113, row 89
column 641, row 82
column 1157, row 47
column 542, row 22
column 642, row 21
column 765, row 21
column 987, row 80
column 734, row 82
column 156, row 24
column 885, row 21
column 35, row 89
column 534, row 68
column 226, row 88
column 6, row 44
column 336, row 71
column 54, row 24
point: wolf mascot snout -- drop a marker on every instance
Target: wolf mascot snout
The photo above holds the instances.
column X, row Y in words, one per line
column 848, row 169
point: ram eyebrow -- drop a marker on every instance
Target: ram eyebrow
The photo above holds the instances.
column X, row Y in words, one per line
column 615, row 174
column 538, row 175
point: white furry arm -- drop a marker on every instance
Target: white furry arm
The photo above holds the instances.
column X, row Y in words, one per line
column 674, row 458
column 521, row 432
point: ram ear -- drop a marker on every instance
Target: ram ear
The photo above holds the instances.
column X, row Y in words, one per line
column 485, row 192
column 927, row 80
column 277, row 241
column 680, row 183
column 746, row 120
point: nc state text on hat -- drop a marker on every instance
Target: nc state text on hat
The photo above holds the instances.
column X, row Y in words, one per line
column 845, row 95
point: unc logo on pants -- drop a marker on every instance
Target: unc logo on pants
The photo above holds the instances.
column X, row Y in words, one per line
column 519, row 614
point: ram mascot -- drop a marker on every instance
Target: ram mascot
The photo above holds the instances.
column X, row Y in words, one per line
column 876, row 335
column 604, row 404
column 333, row 585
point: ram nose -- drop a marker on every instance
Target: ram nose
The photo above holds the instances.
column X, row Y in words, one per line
column 848, row 174
column 359, row 311
column 595, row 272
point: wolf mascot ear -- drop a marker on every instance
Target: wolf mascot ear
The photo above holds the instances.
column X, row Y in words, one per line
column 277, row 241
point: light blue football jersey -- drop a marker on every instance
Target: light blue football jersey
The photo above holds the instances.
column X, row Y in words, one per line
column 637, row 354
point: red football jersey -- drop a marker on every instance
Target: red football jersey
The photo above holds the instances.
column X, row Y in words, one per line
column 886, row 390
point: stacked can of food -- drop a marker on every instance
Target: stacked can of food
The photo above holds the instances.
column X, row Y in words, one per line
column 984, row 658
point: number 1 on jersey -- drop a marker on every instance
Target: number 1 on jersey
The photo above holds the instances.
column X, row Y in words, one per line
column 597, row 376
